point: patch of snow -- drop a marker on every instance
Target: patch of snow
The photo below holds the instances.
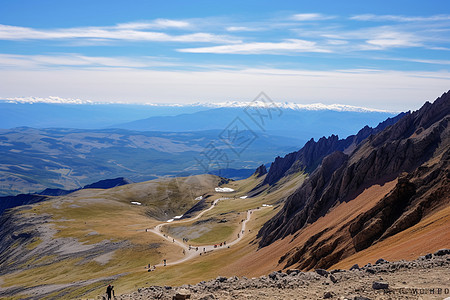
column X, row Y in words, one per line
column 199, row 198
column 243, row 197
column 169, row 221
column 267, row 205
column 136, row 203
column 224, row 190
column 178, row 217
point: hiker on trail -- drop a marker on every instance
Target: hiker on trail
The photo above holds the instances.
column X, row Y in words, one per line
column 238, row 235
column 184, row 252
column 165, row 263
column 110, row 292
column 204, row 249
column 173, row 240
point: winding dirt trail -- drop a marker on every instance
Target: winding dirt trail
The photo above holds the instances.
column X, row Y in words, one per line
column 192, row 252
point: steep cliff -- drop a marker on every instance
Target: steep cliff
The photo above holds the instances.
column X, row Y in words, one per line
column 310, row 156
column 415, row 150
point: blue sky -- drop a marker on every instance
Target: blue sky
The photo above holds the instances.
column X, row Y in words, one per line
column 380, row 54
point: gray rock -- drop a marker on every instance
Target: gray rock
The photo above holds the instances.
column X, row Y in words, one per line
column 208, row 297
column 327, row 295
column 182, row 294
column 379, row 285
column 336, row 271
column 361, row 298
column 442, row 252
column 322, row 272
column 370, row 270
column 221, row 279
column 273, row 275
column 354, row 267
column 281, row 274
column 333, row 278
column 292, row 272
column 381, row 261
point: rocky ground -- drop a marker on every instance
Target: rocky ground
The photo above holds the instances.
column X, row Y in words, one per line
column 428, row 277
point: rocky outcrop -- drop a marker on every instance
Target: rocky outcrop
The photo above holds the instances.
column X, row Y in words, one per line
column 370, row 226
column 418, row 145
column 310, row 156
column 337, row 284
column 260, row 171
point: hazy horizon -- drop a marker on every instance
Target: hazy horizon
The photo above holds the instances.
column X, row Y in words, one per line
column 389, row 56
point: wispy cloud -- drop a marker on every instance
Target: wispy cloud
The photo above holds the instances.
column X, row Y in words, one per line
column 399, row 18
column 286, row 46
column 242, row 28
column 393, row 39
column 127, row 32
column 416, row 60
column 311, row 17
column 155, row 24
column 78, row 60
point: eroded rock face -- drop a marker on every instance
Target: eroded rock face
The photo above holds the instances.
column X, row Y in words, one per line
column 371, row 225
column 310, row 156
column 416, row 150
column 260, row 171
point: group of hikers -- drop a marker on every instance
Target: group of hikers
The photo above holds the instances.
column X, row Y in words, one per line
column 220, row 245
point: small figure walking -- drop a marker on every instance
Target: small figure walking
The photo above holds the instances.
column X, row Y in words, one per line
column 165, row 263
column 110, row 291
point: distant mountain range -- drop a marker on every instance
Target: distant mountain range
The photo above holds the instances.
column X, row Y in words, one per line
column 284, row 119
column 35, row 159
column 239, row 104
column 144, row 142
column 302, row 124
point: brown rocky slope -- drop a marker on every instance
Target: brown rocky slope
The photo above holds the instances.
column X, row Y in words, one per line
column 413, row 154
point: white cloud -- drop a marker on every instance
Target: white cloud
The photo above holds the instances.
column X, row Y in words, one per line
column 287, row 46
column 392, row 39
column 242, row 28
column 311, row 17
column 77, row 60
column 416, row 60
column 156, row 24
column 398, row 18
column 8, row 32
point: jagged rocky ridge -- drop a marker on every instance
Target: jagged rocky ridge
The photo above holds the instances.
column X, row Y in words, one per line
column 260, row 171
column 416, row 149
column 310, row 156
